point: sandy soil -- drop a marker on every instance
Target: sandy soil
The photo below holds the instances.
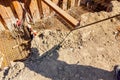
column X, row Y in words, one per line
column 7, row 42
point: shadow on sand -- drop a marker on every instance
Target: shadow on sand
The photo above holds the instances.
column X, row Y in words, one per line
column 48, row 66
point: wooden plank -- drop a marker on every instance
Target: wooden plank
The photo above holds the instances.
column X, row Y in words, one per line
column 68, row 4
column 1, row 26
column 76, row 3
column 18, row 9
column 50, row 8
column 9, row 10
column 79, row 2
column 34, row 10
column 40, row 8
column 3, row 23
column 62, row 13
column 6, row 18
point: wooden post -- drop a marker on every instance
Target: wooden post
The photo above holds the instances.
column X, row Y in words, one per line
column 34, row 10
column 68, row 4
column 1, row 26
column 40, row 8
column 62, row 13
column 2, row 23
column 7, row 4
column 60, row 3
column 18, row 9
column 4, row 16
column 76, row 3
column 51, row 8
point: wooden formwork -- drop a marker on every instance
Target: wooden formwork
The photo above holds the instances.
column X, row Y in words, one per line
column 62, row 13
column 11, row 9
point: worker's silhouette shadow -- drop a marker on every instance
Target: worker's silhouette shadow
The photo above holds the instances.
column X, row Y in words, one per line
column 49, row 66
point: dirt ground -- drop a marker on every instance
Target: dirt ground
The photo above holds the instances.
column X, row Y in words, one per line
column 87, row 53
column 7, row 42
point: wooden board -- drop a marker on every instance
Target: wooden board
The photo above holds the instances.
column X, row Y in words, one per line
column 62, row 13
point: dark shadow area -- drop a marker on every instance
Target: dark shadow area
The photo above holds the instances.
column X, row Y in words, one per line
column 99, row 8
column 5, row 3
column 49, row 66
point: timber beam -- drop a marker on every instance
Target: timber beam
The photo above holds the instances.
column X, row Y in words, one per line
column 62, row 13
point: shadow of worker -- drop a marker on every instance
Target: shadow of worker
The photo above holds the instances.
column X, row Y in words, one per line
column 48, row 66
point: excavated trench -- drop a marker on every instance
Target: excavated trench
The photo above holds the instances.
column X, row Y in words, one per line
column 22, row 51
column 8, row 42
column 92, row 46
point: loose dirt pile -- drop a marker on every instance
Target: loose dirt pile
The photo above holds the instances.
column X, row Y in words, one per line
column 88, row 53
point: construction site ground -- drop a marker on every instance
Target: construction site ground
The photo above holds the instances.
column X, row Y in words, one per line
column 87, row 53
column 7, row 42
